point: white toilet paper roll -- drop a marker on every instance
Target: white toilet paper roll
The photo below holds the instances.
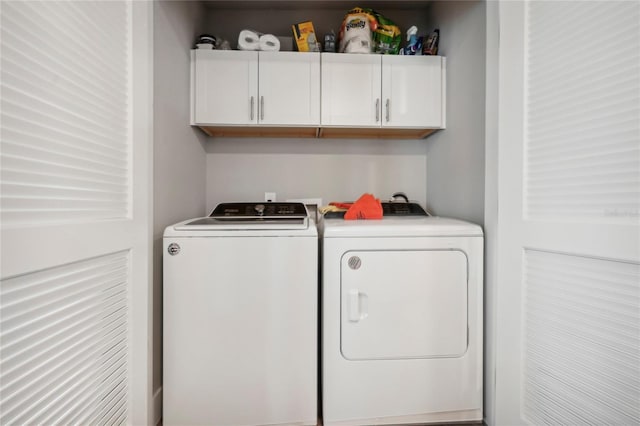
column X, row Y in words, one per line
column 248, row 40
column 269, row 43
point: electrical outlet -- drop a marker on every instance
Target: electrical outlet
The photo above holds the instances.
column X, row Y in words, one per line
column 270, row 197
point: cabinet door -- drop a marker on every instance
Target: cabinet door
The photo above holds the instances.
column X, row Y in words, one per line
column 413, row 91
column 351, row 89
column 289, row 86
column 225, row 87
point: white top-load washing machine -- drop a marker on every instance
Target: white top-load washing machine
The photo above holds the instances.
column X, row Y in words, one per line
column 401, row 319
column 240, row 317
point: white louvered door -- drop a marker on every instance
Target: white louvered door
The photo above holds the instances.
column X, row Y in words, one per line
column 568, row 332
column 74, row 211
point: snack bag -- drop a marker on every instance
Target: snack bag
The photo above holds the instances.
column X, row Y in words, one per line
column 386, row 36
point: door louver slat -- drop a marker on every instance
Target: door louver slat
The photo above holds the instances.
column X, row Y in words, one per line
column 64, row 335
column 582, row 340
column 582, row 115
column 65, row 111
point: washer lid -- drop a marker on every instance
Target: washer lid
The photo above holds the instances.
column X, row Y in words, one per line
column 432, row 226
column 255, row 215
column 207, row 223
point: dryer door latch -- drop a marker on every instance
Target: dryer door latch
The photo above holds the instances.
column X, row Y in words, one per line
column 357, row 305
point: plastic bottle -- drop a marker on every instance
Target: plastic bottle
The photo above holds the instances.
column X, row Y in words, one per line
column 412, row 38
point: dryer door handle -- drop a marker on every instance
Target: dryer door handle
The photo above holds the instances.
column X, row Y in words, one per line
column 354, row 305
column 358, row 305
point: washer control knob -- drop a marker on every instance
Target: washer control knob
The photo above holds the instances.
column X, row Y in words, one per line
column 259, row 209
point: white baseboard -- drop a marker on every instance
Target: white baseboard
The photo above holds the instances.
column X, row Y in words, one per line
column 157, row 406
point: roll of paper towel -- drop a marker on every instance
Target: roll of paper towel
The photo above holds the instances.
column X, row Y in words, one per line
column 248, row 40
column 269, row 43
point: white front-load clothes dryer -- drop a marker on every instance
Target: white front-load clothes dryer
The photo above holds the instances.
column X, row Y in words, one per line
column 401, row 320
column 240, row 317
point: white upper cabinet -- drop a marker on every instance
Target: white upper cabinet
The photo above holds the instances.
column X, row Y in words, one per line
column 224, row 87
column 234, row 88
column 351, row 89
column 413, row 91
column 289, row 86
column 383, row 91
column 293, row 94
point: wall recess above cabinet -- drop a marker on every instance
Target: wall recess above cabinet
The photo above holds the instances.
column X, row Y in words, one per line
column 309, row 4
column 312, row 95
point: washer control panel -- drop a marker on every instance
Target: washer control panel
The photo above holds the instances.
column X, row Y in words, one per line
column 259, row 210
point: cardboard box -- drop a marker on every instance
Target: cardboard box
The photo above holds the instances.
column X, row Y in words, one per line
column 305, row 37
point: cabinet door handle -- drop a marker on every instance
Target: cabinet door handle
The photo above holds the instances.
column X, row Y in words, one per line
column 251, row 109
column 261, row 107
column 377, row 110
column 387, row 107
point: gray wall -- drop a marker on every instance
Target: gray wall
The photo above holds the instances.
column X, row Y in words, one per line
column 491, row 214
column 455, row 157
column 179, row 156
column 446, row 171
column 279, row 19
column 334, row 170
column 453, row 160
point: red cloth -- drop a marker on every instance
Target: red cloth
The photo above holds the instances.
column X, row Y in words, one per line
column 366, row 207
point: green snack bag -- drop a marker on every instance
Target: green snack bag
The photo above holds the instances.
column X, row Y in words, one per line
column 386, row 37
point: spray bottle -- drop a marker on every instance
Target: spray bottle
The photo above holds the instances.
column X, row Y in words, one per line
column 412, row 38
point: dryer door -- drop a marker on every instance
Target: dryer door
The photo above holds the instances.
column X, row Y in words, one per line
column 403, row 304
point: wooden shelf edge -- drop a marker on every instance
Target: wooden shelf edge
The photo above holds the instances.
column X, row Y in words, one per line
column 372, row 133
column 316, row 132
column 265, row 132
